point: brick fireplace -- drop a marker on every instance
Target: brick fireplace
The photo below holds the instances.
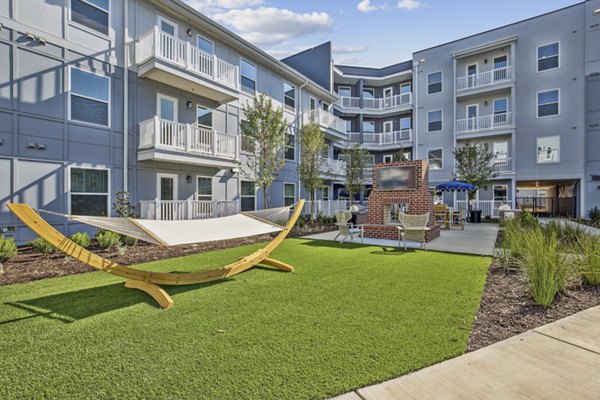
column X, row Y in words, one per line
column 384, row 204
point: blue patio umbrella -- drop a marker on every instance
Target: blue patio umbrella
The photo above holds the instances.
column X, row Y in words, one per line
column 455, row 186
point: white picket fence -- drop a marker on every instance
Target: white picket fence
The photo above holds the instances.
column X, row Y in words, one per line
column 329, row 207
column 489, row 208
column 177, row 210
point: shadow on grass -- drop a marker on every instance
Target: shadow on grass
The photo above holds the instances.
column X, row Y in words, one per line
column 392, row 251
column 72, row 306
column 332, row 244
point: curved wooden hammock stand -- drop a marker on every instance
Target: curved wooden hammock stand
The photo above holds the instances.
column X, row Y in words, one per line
column 149, row 281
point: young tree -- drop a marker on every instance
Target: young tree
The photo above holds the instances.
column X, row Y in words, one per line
column 356, row 158
column 266, row 128
column 474, row 165
column 312, row 144
column 399, row 155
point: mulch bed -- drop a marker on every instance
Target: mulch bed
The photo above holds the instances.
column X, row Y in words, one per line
column 507, row 309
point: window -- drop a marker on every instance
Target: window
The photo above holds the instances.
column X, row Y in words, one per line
column 500, row 150
column 248, row 144
column 89, row 97
column 167, row 26
column 369, row 126
column 548, row 57
column 348, row 125
column 368, row 93
column 289, row 194
column 289, row 94
column 500, row 62
column 548, row 149
column 248, row 76
column 434, row 82
column 408, row 155
column 345, row 91
column 326, row 193
column 204, row 190
column 204, row 117
column 435, row 158
column 500, row 193
column 434, row 121
column 405, row 88
column 548, row 103
column 248, row 196
column 290, row 145
column 500, row 106
column 89, row 192
column 388, row 158
column 91, row 13
column 405, row 123
column 206, row 45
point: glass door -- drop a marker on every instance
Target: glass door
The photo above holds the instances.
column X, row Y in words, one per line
column 472, row 75
column 171, row 134
column 472, row 114
column 388, row 97
column 167, row 194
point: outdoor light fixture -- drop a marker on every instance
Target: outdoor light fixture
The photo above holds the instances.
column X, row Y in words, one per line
column 30, row 36
column 42, row 41
column 235, row 170
column 188, row 179
column 189, row 105
column 189, row 32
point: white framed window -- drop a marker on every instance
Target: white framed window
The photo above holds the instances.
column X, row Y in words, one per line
column 388, row 92
column 501, row 62
column 435, row 120
column 368, row 93
column 204, row 117
column 434, row 82
column 405, row 88
column 247, row 196
column 408, row 155
column 93, row 14
column 248, row 75
column 500, row 193
column 500, row 151
column 435, row 157
column 472, row 69
column 289, row 96
column 548, row 56
column 167, row 26
column 348, row 125
column 166, row 186
column 388, row 126
column 312, row 103
column 205, row 45
column 369, row 126
column 388, row 158
column 548, row 149
column 500, row 106
column 405, row 123
column 89, row 191
column 345, row 91
column 204, row 188
column 290, row 144
column 166, row 107
column 289, row 194
column 548, row 103
column 248, row 145
column 89, row 97
column 325, row 193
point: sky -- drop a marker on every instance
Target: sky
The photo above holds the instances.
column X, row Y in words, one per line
column 369, row 33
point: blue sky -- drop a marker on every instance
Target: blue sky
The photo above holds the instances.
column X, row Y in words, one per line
column 366, row 32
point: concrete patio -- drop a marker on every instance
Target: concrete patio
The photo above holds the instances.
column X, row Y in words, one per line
column 478, row 239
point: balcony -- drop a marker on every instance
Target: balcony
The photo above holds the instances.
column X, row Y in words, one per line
column 382, row 140
column 333, row 126
column 380, row 105
column 483, row 81
column 164, row 140
column 503, row 165
column 178, row 63
column 484, row 124
column 333, row 168
column 178, row 210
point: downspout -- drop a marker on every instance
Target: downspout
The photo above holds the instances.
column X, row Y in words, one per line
column 416, row 113
column 125, row 95
column 299, row 119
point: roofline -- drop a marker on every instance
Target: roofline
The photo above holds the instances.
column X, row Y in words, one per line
column 503, row 26
column 374, row 68
column 306, row 50
column 375, row 78
column 235, row 39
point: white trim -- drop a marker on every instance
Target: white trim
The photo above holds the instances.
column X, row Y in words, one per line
column 212, row 186
column 537, row 59
column 87, row 28
column 92, row 167
column 160, row 18
column 255, row 80
column 198, row 36
column 368, row 89
column 295, row 193
column 285, row 106
column 434, row 149
column 391, row 90
column 441, row 82
column 390, row 124
column 442, row 120
column 175, row 178
column 345, row 87
column 70, row 93
column 476, row 64
column 498, row 56
column 390, row 157
column 211, row 119
column 537, row 104
column 467, row 110
column 494, row 104
column 175, row 100
column 493, row 190
column 409, row 84
column 247, row 196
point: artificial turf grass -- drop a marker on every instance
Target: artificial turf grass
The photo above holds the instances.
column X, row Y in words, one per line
column 348, row 316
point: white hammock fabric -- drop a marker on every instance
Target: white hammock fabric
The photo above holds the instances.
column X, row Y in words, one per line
column 173, row 233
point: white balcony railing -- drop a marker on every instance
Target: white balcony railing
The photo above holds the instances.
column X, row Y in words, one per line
column 177, row 210
column 377, row 104
column 325, row 119
column 333, row 167
column 489, row 208
column 484, row 123
column 502, row 165
column 164, row 134
column 161, row 45
column 382, row 138
column 482, row 79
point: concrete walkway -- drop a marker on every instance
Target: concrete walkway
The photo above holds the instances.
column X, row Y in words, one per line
column 560, row 360
column 478, row 239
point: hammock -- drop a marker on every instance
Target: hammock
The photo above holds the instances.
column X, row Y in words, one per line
column 172, row 233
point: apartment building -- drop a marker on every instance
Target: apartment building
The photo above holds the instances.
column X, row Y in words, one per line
column 99, row 96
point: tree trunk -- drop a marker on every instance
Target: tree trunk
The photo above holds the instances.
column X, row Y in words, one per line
column 265, row 199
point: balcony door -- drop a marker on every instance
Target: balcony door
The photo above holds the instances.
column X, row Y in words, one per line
column 167, row 193
column 388, row 132
column 472, row 117
column 171, row 134
column 388, row 97
column 168, row 43
column 500, row 71
column 472, row 75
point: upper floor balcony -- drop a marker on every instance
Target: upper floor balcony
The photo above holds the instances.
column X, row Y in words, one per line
column 383, row 140
column 333, row 168
column 503, row 165
column 164, row 140
column 333, row 126
column 484, row 125
column 483, row 81
column 377, row 106
column 167, row 59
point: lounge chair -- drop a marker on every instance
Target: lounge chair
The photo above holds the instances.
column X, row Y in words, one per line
column 413, row 228
column 346, row 230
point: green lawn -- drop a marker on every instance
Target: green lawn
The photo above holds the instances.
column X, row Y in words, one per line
column 348, row 316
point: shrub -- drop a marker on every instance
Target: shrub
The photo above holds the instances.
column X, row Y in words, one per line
column 595, row 215
column 128, row 241
column 42, row 245
column 108, row 239
column 82, row 239
column 8, row 249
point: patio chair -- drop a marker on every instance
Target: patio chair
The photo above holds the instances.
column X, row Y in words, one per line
column 441, row 215
column 459, row 218
column 413, row 228
column 346, row 230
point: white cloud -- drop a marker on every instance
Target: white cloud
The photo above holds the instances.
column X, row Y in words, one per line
column 209, row 6
column 410, row 4
column 366, row 6
column 269, row 25
column 349, row 49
